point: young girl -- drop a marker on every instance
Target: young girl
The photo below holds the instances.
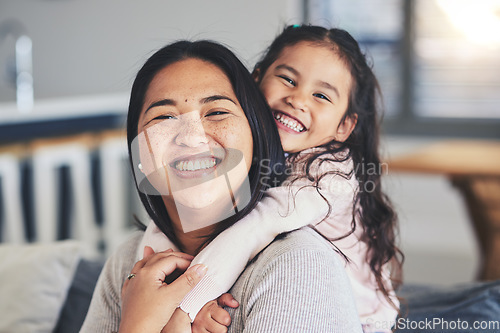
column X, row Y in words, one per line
column 323, row 96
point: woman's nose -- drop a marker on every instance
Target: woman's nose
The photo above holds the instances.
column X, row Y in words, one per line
column 191, row 132
column 297, row 100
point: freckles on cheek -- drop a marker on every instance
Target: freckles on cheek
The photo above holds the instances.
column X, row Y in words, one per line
column 229, row 136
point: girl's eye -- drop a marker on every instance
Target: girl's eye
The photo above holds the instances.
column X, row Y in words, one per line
column 287, row 79
column 321, row 96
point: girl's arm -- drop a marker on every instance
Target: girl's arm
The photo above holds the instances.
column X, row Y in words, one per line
column 283, row 209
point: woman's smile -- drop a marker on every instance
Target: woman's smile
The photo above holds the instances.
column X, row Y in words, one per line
column 197, row 146
column 195, row 166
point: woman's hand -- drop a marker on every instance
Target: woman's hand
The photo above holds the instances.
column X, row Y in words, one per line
column 147, row 301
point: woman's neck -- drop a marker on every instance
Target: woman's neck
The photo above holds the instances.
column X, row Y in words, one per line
column 190, row 240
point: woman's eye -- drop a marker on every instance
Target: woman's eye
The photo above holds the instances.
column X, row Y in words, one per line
column 163, row 117
column 321, row 96
column 216, row 113
column 159, row 118
column 287, row 79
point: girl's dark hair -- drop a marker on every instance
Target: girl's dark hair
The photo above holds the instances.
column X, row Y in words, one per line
column 261, row 175
column 373, row 208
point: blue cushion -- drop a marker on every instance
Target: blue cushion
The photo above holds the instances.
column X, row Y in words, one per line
column 422, row 305
column 78, row 300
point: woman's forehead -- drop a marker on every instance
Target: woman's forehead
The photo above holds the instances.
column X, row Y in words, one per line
column 190, row 78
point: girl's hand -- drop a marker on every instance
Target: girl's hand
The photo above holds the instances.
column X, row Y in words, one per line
column 212, row 317
column 147, row 301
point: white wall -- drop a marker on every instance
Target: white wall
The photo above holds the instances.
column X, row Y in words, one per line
column 83, row 47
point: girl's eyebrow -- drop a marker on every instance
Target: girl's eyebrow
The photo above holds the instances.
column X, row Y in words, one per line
column 327, row 85
column 288, row 68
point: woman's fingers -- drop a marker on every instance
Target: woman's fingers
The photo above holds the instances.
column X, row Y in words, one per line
column 153, row 259
column 138, row 265
column 186, row 282
column 160, row 264
column 148, row 251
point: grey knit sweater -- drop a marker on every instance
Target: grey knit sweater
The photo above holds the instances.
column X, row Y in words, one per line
column 296, row 284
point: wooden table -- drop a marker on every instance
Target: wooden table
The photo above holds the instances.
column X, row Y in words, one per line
column 473, row 167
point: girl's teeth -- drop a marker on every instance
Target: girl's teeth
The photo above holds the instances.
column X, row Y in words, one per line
column 290, row 123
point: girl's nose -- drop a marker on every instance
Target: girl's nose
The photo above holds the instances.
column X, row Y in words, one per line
column 191, row 132
column 297, row 100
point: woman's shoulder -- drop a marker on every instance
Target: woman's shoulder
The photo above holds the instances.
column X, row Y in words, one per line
column 297, row 246
column 125, row 256
column 128, row 249
column 297, row 274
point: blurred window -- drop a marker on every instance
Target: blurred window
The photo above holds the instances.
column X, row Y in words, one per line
column 457, row 58
column 437, row 61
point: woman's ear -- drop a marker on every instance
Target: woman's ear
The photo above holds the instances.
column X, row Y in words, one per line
column 346, row 127
column 256, row 75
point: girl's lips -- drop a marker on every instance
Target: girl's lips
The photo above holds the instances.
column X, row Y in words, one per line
column 289, row 123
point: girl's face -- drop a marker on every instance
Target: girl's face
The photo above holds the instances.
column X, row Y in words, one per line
column 195, row 143
column 308, row 89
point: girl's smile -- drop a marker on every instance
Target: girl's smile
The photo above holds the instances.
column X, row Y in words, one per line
column 288, row 123
column 308, row 88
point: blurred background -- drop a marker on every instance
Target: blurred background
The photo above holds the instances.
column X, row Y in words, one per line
column 66, row 68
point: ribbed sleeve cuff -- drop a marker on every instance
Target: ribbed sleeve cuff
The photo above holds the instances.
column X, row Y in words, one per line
column 205, row 291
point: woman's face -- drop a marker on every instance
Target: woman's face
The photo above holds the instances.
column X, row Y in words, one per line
column 195, row 143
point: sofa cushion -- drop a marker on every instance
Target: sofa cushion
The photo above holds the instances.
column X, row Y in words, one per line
column 80, row 293
column 35, row 281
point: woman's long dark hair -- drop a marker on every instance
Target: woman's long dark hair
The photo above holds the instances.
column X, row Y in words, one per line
column 266, row 142
column 373, row 208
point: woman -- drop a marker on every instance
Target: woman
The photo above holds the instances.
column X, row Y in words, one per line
column 198, row 129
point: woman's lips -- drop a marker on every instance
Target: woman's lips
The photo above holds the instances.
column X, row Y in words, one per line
column 289, row 123
column 194, row 166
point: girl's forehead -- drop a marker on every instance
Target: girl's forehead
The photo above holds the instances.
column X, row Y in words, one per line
column 312, row 48
column 319, row 62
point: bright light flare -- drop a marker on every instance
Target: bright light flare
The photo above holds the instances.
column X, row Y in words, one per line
column 478, row 20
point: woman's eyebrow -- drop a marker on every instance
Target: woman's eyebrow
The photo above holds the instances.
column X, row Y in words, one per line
column 214, row 98
column 161, row 103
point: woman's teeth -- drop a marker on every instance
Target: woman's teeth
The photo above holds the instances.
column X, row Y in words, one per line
column 194, row 165
column 289, row 122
